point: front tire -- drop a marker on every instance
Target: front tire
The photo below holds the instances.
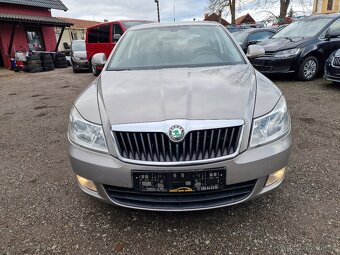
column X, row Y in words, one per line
column 309, row 68
column 94, row 70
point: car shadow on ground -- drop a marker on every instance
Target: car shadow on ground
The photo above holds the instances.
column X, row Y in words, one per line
column 331, row 86
column 282, row 77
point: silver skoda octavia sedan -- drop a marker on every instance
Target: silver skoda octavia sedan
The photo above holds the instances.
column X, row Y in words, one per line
column 179, row 120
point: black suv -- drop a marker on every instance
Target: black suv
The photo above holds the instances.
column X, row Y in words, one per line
column 301, row 48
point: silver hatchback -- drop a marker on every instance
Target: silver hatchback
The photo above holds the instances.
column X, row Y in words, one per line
column 179, row 120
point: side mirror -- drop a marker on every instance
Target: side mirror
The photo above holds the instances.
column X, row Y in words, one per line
column 98, row 59
column 116, row 37
column 255, row 51
column 252, row 42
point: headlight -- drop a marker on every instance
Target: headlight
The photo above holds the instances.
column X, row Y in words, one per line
column 86, row 134
column 75, row 58
column 271, row 126
column 287, row 53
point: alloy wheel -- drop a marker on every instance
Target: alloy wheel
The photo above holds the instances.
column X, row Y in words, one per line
column 309, row 69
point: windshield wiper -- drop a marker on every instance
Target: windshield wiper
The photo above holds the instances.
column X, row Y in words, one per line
column 288, row 38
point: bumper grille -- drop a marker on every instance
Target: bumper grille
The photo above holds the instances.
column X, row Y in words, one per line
column 269, row 53
column 174, row 201
column 336, row 61
column 197, row 145
column 263, row 68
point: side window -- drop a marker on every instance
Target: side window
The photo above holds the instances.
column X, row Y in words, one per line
column 116, row 29
column 335, row 27
column 92, row 36
column 104, row 34
column 260, row 36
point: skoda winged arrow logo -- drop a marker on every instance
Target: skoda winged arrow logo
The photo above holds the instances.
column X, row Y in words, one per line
column 176, row 133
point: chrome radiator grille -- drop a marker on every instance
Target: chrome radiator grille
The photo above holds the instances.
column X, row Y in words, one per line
column 197, row 145
column 336, row 61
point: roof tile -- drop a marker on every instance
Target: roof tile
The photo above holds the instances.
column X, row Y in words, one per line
column 33, row 19
column 80, row 23
column 49, row 4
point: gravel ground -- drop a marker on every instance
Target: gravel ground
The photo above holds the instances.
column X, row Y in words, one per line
column 42, row 211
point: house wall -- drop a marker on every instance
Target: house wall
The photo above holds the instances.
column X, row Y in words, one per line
column 320, row 7
column 67, row 36
column 20, row 39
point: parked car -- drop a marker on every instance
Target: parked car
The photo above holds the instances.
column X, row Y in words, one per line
column 332, row 67
column 301, row 48
column 253, row 36
column 78, row 56
column 179, row 120
column 103, row 38
column 234, row 29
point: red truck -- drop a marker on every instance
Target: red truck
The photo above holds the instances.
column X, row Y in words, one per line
column 100, row 38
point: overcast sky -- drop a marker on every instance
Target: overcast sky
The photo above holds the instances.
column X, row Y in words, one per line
column 146, row 9
column 132, row 9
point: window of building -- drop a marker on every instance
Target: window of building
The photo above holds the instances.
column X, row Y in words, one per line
column 34, row 39
column 74, row 36
column 330, row 5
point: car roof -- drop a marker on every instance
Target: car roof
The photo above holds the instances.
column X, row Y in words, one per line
column 322, row 16
column 252, row 30
column 118, row 21
column 183, row 23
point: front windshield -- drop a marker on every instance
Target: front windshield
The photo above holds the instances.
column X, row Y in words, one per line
column 128, row 24
column 78, row 46
column 175, row 46
column 304, row 28
column 241, row 37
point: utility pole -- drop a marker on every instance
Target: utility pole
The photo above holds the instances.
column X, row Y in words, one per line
column 174, row 11
column 159, row 18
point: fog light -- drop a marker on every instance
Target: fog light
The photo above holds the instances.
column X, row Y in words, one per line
column 275, row 177
column 86, row 183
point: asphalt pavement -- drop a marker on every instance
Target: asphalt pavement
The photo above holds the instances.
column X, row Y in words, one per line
column 42, row 211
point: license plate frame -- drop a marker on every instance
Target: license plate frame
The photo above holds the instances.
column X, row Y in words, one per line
column 179, row 181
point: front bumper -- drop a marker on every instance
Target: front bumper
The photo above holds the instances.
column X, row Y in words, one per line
column 81, row 65
column 253, row 165
column 332, row 73
column 271, row 65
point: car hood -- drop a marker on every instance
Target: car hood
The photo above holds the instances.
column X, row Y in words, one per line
column 79, row 54
column 196, row 93
column 277, row 44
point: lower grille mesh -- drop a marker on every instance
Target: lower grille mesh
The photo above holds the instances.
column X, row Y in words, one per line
column 167, row 201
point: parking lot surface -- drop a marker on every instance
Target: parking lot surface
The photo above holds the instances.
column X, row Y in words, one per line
column 42, row 211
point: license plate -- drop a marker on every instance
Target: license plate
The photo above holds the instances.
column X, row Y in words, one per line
column 180, row 182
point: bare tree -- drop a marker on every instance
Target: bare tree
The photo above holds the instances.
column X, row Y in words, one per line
column 217, row 5
column 284, row 4
column 220, row 5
